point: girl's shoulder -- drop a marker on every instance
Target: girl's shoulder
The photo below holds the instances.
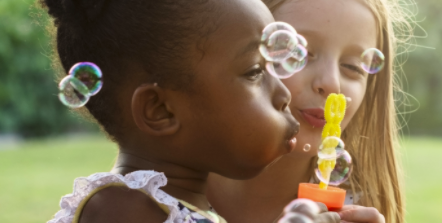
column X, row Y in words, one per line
column 104, row 196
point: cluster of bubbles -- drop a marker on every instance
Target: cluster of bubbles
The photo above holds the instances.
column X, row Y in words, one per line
column 343, row 165
column 300, row 211
column 284, row 49
column 372, row 60
column 84, row 80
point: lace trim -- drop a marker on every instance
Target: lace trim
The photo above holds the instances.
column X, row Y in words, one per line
column 148, row 181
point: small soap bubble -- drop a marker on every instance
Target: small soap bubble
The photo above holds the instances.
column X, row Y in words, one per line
column 73, row 93
column 307, row 147
column 90, row 75
column 279, row 46
column 340, row 172
column 302, row 40
column 372, row 60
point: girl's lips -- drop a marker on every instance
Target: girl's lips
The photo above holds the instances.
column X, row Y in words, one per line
column 314, row 116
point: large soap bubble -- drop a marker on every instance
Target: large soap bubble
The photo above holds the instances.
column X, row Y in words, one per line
column 89, row 74
column 84, row 80
column 278, row 41
column 284, row 50
column 73, row 93
column 372, row 60
column 334, row 164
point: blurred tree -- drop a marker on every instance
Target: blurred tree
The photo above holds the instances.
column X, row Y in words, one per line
column 28, row 93
column 423, row 71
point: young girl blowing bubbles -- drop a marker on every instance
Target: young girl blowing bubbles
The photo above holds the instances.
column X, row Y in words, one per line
column 337, row 31
column 184, row 94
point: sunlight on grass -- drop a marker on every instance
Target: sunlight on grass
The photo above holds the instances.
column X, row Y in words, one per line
column 423, row 180
column 38, row 173
column 35, row 176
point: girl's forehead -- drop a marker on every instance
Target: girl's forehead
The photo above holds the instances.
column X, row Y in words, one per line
column 340, row 21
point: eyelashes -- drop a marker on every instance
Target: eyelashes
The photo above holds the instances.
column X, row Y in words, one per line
column 353, row 68
column 255, row 73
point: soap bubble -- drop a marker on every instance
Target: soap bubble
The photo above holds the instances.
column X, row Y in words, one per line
column 307, row 147
column 331, row 147
column 279, row 46
column 372, row 60
column 300, row 53
column 283, row 49
column 90, row 75
column 73, row 93
column 340, row 172
column 275, row 26
column 278, row 40
column 301, row 40
column 289, row 66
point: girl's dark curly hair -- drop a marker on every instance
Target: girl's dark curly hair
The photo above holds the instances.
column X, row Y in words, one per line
column 156, row 34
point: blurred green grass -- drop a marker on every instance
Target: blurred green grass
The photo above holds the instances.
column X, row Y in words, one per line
column 35, row 176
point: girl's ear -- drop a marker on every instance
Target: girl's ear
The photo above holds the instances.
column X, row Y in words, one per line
column 151, row 112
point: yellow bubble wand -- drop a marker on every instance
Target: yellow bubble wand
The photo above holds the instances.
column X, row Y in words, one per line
column 334, row 112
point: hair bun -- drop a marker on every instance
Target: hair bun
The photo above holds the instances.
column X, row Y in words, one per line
column 74, row 11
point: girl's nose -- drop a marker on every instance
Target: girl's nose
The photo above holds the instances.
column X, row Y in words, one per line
column 282, row 96
column 327, row 78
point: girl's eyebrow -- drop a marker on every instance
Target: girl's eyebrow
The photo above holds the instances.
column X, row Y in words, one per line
column 251, row 47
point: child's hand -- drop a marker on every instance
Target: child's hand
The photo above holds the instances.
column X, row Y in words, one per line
column 307, row 211
column 326, row 216
column 356, row 213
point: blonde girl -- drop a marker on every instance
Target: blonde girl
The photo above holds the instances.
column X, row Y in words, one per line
column 337, row 31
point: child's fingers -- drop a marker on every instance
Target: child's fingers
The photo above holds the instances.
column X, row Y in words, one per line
column 361, row 214
column 322, row 207
column 328, row 217
column 350, row 207
column 305, row 207
column 295, row 218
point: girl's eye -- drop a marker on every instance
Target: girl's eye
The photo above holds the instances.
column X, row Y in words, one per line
column 255, row 73
column 354, row 68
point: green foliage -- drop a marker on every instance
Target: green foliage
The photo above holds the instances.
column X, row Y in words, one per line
column 28, row 93
column 423, row 71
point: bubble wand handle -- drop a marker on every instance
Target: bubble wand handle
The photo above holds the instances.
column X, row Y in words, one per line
column 334, row 112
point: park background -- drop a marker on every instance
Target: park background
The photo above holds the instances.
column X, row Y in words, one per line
column 44, row 146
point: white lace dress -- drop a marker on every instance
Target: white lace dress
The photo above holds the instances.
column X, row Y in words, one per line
column 146, row 181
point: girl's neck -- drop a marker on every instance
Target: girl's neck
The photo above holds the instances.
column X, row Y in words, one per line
column 182, row 183
column 258, row 194
column 288, row 167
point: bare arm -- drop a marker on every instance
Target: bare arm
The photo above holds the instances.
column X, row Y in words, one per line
column 121, row 205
